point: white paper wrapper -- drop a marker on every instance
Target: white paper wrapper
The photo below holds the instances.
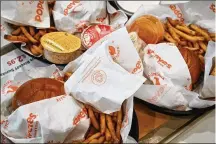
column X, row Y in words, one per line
column 112, row 85
column 197, row 12
column 33, row 13
column 74, row 16
column 99, row 81
column 125, row 53
column 172, row 93
column 17, row 61
column 50, row 120
column 208, row 90
column 164, row 64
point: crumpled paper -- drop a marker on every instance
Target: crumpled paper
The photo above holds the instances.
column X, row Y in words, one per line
column 74, row 16
column 208, row 90
column 107, row 81
column 33, row 13
column 50, row 120
column 174, row 96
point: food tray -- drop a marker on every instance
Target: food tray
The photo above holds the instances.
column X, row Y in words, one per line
column 175, row 112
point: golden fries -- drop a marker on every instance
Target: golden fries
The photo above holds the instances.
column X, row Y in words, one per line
column 202, row 45
column 32, row 31
column 108, row 135
column 195, row 44
column 95, row 136
column 16, row 38
column 168, row 37
column 103, row 123
column 93, row 118
column 188, row 37
column 111, row 128
column 26, row 33
column 185, row 29
column 101, row 139
column 191, row 48
column 201, row 31
column 191, row 37
column 183, row 43
column 16, row 32
column 212, row 35
column 119, row 124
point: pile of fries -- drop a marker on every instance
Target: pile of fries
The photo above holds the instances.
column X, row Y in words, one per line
column 104, row 128
column 31, row 35
column 191, row 37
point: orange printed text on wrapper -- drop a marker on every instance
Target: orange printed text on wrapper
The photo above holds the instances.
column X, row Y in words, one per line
column 32, row 126
column 177, row 12
column 39, row 10
column 80, row 116
column 160, row 61
column 71, row 5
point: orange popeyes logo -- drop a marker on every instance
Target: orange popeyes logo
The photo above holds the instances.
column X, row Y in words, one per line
column 70, row 6
column 138, row 67
column 156, row 77
column 80, row 116
column 177, row 12
column 212, row 7
column 114, row 52
column 30, row 122
column 160, row 60
column 39, row 10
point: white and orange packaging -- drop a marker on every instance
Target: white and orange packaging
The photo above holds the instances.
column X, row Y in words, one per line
column 75, row 15
column 33, row 13
column 106, row 75
column 59, row 119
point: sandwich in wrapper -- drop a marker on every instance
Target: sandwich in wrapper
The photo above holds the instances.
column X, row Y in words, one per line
column 171, row 86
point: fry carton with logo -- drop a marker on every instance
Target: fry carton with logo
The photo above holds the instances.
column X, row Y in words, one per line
column 107, row 76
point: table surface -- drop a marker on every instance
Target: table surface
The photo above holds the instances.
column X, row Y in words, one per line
column 156, row 127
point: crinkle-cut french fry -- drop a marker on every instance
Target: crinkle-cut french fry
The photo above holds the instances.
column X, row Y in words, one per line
column 26, row 33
